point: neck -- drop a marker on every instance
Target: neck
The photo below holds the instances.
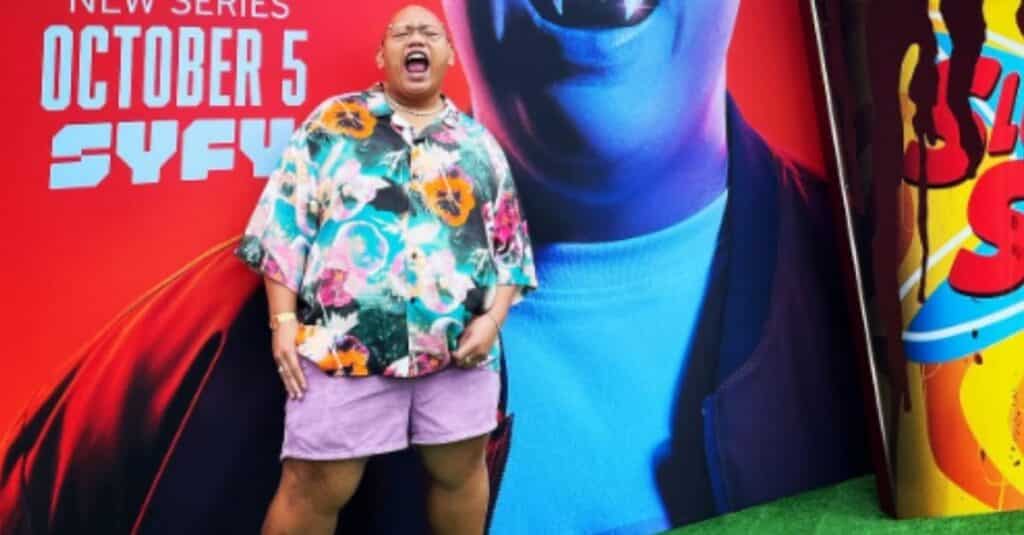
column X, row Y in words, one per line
column 426, row 103
column 650, row 192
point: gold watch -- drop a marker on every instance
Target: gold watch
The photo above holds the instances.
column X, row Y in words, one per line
column 277, row 319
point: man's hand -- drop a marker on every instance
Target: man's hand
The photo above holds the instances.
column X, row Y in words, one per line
column 476, row 342
column 283, row 347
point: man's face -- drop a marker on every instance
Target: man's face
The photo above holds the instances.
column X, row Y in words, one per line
column 577, row 84
column 415, row 54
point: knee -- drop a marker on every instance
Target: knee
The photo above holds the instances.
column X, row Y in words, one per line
column 454, row 473
column 321, row 487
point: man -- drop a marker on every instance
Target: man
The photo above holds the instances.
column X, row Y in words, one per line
column 393, row 219
column 691, row 320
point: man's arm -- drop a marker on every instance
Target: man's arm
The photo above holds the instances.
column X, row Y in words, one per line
column 282, row 300
column 481, row 333
column 503, row 300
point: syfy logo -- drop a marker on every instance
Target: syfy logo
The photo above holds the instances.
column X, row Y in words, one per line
column 183, row 68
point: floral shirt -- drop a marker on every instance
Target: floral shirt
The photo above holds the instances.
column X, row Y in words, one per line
column 393, row 240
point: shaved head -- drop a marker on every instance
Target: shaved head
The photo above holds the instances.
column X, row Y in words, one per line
column 417, row 13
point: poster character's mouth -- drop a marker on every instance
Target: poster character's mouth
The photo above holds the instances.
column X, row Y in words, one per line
column 596, row 14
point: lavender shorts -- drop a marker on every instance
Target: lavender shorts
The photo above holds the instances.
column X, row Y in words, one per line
column 351, row 417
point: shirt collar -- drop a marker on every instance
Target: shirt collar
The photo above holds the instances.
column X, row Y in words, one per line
column 380, row 107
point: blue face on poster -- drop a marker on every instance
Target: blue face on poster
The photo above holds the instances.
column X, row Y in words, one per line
column 579, row 91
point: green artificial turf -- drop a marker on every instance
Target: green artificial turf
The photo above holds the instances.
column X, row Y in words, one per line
column 848, row 508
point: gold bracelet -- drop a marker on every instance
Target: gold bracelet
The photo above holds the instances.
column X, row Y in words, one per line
column 277, row 319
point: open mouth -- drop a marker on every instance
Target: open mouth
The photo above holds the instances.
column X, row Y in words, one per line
column 417, row 62
column 595, row 13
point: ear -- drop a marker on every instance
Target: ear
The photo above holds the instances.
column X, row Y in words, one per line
column 380, row 57
column 451, row 54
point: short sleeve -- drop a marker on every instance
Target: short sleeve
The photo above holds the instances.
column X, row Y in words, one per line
column 283, row 226
column 507, row 234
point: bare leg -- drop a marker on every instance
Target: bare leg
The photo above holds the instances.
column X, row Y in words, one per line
column 459, row 489
column 310, row 495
